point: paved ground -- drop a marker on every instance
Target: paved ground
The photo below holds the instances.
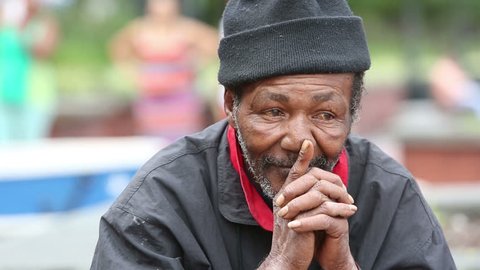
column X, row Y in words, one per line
column 53, row 242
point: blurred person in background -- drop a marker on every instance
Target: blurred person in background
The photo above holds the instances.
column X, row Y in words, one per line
column 163, row 51
column 452, row 88
column 28, row 37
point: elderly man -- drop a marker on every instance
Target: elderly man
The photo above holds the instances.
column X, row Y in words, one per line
column 280, row 184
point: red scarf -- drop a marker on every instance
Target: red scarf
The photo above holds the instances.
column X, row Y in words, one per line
column 257, row 206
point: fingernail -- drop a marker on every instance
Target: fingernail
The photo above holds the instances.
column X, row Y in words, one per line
column 350, row 198
column 294, row 224
column 304, row 146
column 282, row 212
column 353, row 207
column 280, row 200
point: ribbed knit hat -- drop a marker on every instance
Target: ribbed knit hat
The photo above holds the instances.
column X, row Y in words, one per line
column 266, row 38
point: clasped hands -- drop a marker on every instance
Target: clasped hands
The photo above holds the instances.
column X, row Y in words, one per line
column 310, row 219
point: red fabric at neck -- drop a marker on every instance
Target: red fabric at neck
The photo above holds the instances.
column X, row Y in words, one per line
column 257, row 206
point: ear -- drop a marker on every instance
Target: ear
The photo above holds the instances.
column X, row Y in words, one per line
column 228, row 105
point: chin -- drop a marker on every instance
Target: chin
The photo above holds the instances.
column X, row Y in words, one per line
column 276, row 178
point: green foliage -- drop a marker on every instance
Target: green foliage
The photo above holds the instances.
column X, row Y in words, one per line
column 209, row 11
column 84, row 39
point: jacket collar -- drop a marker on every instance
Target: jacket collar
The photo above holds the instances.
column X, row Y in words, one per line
column 231, row 199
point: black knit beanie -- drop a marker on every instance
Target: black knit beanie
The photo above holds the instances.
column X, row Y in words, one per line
column 266, row 38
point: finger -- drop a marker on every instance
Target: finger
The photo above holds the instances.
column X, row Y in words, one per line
column 332, row 209
column 301, row 165
column 329, row 176
column 308, row 183
column 299, row 168
column 298, row 187
column 332, row 186
column 315, row 198
column 302, row 203
column 333, row 191
column 333, row 226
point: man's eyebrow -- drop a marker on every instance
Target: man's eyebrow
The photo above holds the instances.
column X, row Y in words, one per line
column 323, row 97
column 277, row 97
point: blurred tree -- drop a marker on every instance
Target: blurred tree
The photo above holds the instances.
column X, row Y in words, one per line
column 87, row 25
column 209, row 11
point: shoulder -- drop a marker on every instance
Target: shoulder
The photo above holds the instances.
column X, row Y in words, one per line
column 375, row 173
column 176, row 172
column 368, row 155
column 371, row 166
column 384, row 186
column 188, row 151
column 393, row 215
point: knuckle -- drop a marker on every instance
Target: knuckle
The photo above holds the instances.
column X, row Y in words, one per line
column 288, row 192
column 325, row 208
column 310, row 181
column 319, row 184
column 327, row 205
column 320, row 197
column 293, row 207
column 327, row 176
column 323, row 219
column 316, row 170
column 294, row 173
column 302, row 216
column 337, row 180
column 332, row 209
column 317, row 197
column 337, row 194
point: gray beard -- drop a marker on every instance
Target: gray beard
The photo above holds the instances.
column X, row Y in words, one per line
column 257, row 167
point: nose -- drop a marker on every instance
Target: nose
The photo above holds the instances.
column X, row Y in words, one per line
column 298, row 129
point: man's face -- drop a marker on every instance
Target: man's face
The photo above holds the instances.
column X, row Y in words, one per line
column 276, row 115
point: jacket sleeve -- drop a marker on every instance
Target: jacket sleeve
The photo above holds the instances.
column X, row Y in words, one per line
column 127, row 241
column 414, row 239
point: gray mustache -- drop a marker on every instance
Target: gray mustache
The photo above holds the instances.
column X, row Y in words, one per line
column 319, row 161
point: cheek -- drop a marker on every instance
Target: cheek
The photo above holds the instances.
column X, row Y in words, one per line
column 331, row 141
column 261, row 137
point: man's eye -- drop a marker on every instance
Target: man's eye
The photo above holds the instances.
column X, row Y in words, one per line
column 274, row 112
column 325, row 116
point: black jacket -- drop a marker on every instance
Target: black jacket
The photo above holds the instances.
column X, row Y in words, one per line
column 185, row 209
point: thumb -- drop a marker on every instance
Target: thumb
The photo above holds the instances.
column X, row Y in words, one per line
column 301, row 165
column 299, row 168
